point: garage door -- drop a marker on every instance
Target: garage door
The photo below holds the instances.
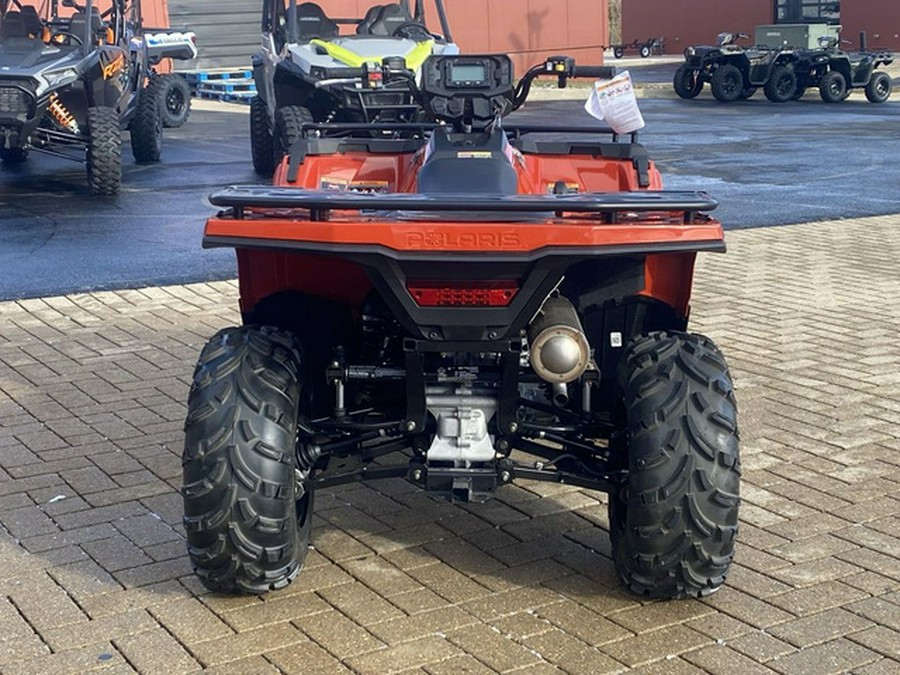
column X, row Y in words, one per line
column 228, row 31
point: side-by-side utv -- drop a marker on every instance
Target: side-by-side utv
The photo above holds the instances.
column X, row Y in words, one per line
column 312, row 70
column 70, row 82
column 464, row 302
column 735, row 72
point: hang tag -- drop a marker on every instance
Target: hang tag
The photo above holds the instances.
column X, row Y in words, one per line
column 614, row 102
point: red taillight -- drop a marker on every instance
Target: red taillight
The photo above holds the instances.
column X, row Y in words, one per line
column 462, row 293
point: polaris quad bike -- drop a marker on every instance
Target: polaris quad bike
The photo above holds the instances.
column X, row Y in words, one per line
column 309, row 72
column 835, row 72
column 734, row 72
column 466, row 305
column 69, row 84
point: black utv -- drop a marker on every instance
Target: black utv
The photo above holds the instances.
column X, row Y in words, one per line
column 70, row 81
column 835, row 72
column 310, row 69
column 735, row 72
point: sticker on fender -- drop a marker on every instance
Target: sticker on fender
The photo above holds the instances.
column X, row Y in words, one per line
column 365, row 186
column 614, row 102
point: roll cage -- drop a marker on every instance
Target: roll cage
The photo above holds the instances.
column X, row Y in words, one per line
column 280, row 18
column 122, row 18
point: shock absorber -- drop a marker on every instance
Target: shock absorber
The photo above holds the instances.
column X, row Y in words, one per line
column 62, row 115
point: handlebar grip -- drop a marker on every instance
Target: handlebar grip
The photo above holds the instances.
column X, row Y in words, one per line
column 598, row 72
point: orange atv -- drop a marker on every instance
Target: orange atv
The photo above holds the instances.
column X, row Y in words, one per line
column 464, row 304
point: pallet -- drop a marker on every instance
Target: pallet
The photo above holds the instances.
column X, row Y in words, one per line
column 197, row 76
column 228, row 86
column 228, row 97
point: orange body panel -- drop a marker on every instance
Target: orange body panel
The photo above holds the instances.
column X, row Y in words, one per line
column 265, row 271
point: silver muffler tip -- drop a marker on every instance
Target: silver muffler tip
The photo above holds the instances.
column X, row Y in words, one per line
column 559, row 349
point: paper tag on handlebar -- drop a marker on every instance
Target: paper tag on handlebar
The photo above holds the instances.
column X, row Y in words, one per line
column 614, row 102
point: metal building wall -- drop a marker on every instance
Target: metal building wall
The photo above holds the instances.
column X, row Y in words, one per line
column 228, row 31
column 528, row 30
column 691, row 22
column 879, row 18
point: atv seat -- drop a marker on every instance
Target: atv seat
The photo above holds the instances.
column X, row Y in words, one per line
column 33, row 23
column 365, row 26
column 312, row 22
column 457, row 169
column 79, row 20
column 390, row 17
column 13, row 26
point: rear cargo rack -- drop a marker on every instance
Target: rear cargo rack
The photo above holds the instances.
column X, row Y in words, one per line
column 320, row 202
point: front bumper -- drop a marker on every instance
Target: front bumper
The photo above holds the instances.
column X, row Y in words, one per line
column 19, row 114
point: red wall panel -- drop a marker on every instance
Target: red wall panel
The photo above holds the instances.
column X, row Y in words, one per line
column 879, row 18
column 691, row 22
column 527, row 30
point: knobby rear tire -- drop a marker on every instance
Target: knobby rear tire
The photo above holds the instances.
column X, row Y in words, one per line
column 833, row 87
column 174, row 99
column 674, row 521
column 262, row 147
column 289, row 121
column 246, row 516
column 879, row 88
column 104, row 151
column 727, row 83
column 781, row 85
column 146, row 126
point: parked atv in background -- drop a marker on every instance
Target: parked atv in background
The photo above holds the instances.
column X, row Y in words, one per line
column 172, row 89
column 462, row 302
column 735, row 72
column 308, row 72
column 836, row 72
column 69, row 84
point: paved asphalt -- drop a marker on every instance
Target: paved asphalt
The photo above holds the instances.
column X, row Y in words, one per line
column 767, row 165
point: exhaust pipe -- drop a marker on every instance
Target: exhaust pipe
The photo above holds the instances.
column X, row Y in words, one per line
column 560, row 395
column 560, row 352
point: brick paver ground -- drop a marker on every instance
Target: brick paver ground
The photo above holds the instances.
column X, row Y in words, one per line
column 93, row 572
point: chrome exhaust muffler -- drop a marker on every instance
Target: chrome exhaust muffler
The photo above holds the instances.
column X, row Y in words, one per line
column 559, row 349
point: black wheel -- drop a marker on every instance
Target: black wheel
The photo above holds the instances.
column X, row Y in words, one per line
column 146, row 125
column 781, row 85
column 261, row 144
column 879, row 88
column 618, row 52
column 288, row 121
column 13, row 155
column 799, row 93
column 104, row 151
column 246, row 513
column 746, row 93
column 727, row 83
column 674, row 520
column 687, row 81
column 833, row 87
column 645, row 52
column 174, row 98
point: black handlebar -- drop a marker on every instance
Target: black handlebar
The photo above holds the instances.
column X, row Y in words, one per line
column 562, row 67
column 599, row 72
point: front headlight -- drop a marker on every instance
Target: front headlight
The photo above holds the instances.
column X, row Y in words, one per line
column 690, row 52
column 56, row 78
